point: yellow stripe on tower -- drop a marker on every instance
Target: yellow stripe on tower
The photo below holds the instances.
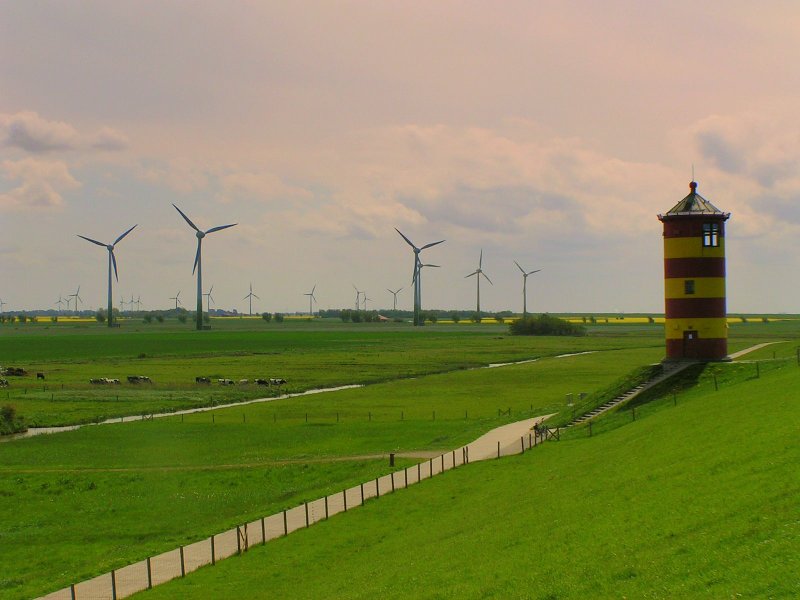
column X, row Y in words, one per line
column 704, row 287
column 692, row 247
column 707, row 328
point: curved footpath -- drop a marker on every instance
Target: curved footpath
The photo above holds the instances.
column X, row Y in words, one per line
column 513, row 438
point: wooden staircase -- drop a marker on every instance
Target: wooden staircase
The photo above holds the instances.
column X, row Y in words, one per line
column 668, row 369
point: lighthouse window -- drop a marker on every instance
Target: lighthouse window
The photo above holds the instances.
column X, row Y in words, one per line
column 710, row 235
column 688, row 286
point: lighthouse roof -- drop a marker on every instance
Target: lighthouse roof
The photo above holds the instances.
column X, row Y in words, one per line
column 694, row 204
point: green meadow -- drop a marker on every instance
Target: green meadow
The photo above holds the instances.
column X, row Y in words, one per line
column 696, row 500
column 77, row 504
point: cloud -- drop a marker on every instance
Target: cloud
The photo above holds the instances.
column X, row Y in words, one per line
column 29, row 132
column 41, row 184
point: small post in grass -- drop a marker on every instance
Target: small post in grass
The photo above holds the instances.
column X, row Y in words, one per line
column 285, row 524
column 362, row 493
column 213, row 556
column 72, row 591
column 377, row 488
column 344, row 498
column 522, row 443
column 405, row 475
column 590, row 429
column 113, row 584
column 183, row 564
column 326, row 508
column 392, row 474
column 263, row 532
column 758, row 370
column 498, row 449
column 306, row 506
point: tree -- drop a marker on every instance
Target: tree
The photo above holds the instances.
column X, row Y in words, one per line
column 432, row 317
column 148, row 318
column 499, row 319
column 266, row 316
column 545, row 325
column 475, row 318
column 160, row 318
column 279, row 317
column 100, row 316
column 455, row 317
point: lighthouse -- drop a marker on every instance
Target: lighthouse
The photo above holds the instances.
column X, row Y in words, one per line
column 696, row 325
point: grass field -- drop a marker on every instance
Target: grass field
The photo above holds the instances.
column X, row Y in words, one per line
column 77, row 504
column 694, row 501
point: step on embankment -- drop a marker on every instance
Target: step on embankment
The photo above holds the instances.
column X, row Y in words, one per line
column 668, row 370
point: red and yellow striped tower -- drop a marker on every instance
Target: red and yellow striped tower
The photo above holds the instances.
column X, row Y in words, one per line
column 696, row 323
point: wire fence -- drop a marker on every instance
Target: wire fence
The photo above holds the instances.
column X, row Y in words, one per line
column 154, row 570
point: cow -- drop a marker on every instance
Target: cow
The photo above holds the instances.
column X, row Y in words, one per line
column 40, row 376
column 202, row 380
column 244, row 381
column 138, row 379
column 98, row 381
column 111, row 381
column 261, row 381
column 276, row 381
column 3, row 382
column 15, row 371
column 225, row 381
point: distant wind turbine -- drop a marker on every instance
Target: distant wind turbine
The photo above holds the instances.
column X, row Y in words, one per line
column 365, row 301
column 177, row 297
column 251, row 295
column 415, row 276
column 112, row 261
column 394, row 293
column 209, row 299
column 59, row 302
column 2, row 304
column 358, row 297
column 198, row 262
column 525, row 287
column 311, row 300
column 478, row 272
column 77, row 296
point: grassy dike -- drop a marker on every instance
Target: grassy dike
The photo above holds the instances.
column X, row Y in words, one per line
column 699, row 500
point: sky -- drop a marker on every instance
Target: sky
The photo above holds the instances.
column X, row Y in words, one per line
column 551, row 133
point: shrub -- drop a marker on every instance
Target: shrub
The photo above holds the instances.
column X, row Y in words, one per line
column 279, row 317
column 475, row 318
column 100, row 316
column 10, row 422
column 54, row 319
column 160, row 318
column 455, row 317
column 266, row 316
column 545, row 325
column 432, row 317
column 499, row 319
column 148, row 318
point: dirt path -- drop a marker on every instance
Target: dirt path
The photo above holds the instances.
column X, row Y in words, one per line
column 736, row 355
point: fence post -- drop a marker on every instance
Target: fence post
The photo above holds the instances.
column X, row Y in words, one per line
column 183, row 564
column 113, row 584
column 246, row 539
column 392, row 475
column 522, row 443
column 454, row 459
column 430, row 466
column 419, row 472
column 306, row 505
column 213, row 554
column 498, row 449
column 72, row 589
column 150, row 575
column 590, row 429
column 285, row 524
column 362, row 493
column 405, row 476
column 263, row 532
column 238, row 542
column 442, row 463
column 377, row 488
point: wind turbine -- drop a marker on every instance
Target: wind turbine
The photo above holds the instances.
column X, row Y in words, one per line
column 2, row 304
column 415, row 277
column 176, row 297
column 525, row 288
column 138, row 303
column 198, row 263
column 311, row 300
column 209, row 299
column 77, row 296
column 358, row 297
column 394, row 293
column 365, row 301
column 112, row 261
column 478, row 272
column 251, row 295
column 58, row 303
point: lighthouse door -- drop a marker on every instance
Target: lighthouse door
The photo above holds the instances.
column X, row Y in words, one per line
column 690, row 344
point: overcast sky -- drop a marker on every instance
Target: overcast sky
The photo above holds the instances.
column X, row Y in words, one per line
column 551, row 133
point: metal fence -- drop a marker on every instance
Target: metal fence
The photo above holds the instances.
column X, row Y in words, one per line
column 164, row 567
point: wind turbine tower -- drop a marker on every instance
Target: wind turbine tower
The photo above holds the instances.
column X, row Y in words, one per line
column 478, row 273
column 176, row 297
column 415, row 276
column 251, row 295
column 311, row 300
column 394, row 293
column 198, row 266
column 525, row 288
column 112, row 262
column 209, row 299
